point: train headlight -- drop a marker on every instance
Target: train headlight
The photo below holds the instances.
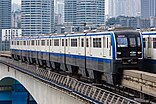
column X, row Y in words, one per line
column 119, row 53
column 139, row 52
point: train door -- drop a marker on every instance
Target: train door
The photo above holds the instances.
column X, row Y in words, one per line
column 107, row 48
column 104, row 46
column 133, row 46
column 81, row 48
column 87, row 46
column 149, row 46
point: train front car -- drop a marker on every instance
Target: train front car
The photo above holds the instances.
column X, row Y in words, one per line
column 129, row 51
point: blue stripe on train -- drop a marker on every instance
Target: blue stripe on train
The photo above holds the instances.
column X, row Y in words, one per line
column 105, row 60
column 151, row 61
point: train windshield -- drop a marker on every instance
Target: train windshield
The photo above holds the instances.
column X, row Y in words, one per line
column 132, row 42
column 122, row 41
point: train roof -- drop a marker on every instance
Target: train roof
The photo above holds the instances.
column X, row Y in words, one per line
column 70, row 35
column 149, row 33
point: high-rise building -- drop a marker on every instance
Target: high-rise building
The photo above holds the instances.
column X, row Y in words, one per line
column 37, row 17
column 5, row 17
column 116, row 8
column 59, row 12
column 90, row 12
column 148, row 8
column 82, row 12
column 70, row 7
column 16, row 19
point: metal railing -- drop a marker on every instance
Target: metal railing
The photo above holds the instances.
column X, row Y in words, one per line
column 86, row 91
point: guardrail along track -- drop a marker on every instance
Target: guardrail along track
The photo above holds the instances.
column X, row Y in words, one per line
column 85, row 91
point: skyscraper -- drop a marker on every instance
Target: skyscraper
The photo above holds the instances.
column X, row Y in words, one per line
column 59, row 11
column 123, row 8
column 70, row 7
column 5, row 17
column 37, row 17
column 148, row 8
column 80, row 12
column 91, row 12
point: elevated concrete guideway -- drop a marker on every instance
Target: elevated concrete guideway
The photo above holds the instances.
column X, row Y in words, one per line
column 41, row 92
column 48, row 87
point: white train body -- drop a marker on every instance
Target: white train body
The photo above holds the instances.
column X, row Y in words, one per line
column 100, row 56
column 149, row 39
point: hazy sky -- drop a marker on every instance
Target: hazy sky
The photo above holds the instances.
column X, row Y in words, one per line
column 16, row 1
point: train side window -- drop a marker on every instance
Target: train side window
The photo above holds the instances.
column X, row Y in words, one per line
column 24, row 42
column 97, row 42
column 32, row 42
column 87, row 43
column 43, row 42
column 149, row 42
column 12, row 43
column 66, row 42
column 50, row 42
column 73, row 42
column 78, row 42
column 38, row 42
column 104, row 42
column 82, row 42
column 144, row 42
column 56, row 42
column 17, row 42
column 62, row 42
column 90, row 42
column 107, row 42
column 154, row 42
column 47, row 42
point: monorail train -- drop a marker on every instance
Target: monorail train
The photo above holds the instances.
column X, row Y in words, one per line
column 99, row 56
column 149, row 41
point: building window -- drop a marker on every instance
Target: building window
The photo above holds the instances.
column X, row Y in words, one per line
column 6, row 32
column 9, row 32
column 73, row 42
column 97, row 42
column 56, row 42
column 154, row 42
